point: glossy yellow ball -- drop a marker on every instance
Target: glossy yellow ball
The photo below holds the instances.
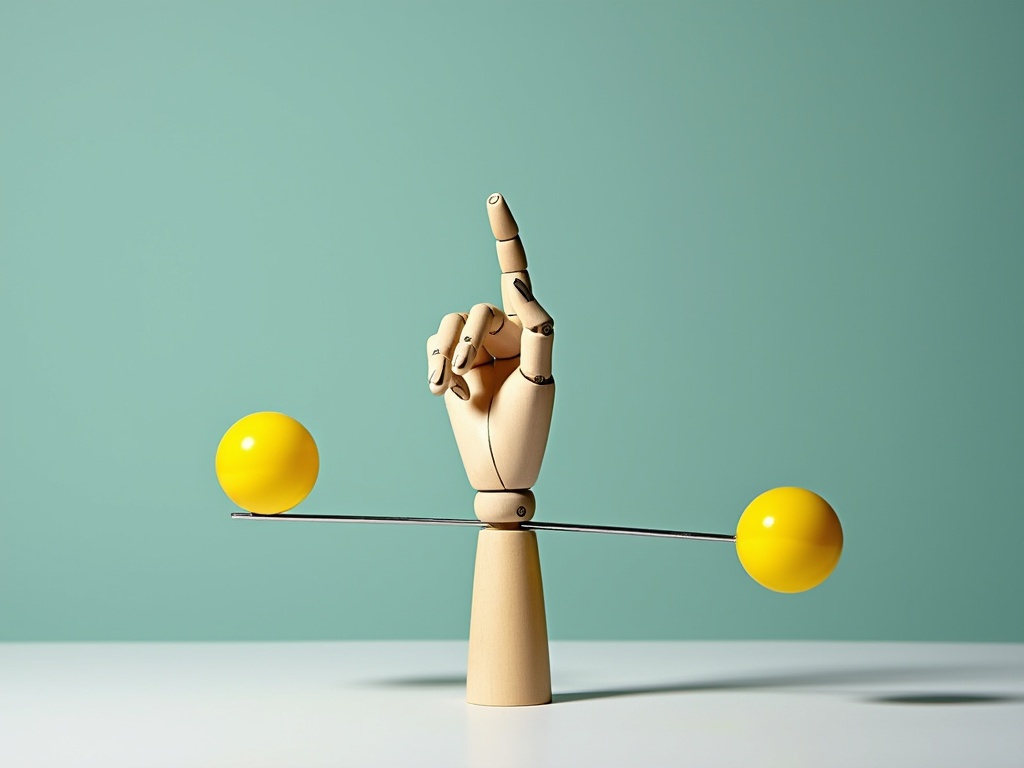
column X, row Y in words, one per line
column 789, row 539
column 267, row 463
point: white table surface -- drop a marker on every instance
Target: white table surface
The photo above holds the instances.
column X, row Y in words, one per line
column 305, row 705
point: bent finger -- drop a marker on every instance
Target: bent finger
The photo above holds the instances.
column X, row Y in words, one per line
column 481, row 321
column 503, row 342
column 439, row 352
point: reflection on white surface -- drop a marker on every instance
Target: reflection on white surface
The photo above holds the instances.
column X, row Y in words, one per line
column 324, row 705
column 507, row 737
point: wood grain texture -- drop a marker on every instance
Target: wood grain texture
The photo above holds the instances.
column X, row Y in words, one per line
column 508, row 636
column 519, row 423
column 501, row 433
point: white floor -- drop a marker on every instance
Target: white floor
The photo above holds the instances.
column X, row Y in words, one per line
column 305, row 705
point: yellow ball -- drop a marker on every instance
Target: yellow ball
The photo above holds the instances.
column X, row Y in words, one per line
column 789, row 539
column 267, row 463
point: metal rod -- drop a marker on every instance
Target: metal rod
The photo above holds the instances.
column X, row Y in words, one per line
column 360, row 519
column 622, row 531
column 451, row 521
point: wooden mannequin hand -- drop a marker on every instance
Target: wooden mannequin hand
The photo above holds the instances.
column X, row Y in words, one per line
column 494, row 369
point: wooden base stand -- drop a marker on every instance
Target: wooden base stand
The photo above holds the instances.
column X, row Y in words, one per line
column 508, row 634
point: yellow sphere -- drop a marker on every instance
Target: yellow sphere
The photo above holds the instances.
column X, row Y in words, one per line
column 267, row 463
column 789, row 539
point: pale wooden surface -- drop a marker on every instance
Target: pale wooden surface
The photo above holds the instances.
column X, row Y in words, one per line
column 508, row 637
column 535, row 360
column 509, row 293
column 518, row 424
column 500, row 412
column 325, row 705
column 504, row 509
column 482, row 321
column 511, row 255
column 503, row 223
column 519, row 300
column 501, row 415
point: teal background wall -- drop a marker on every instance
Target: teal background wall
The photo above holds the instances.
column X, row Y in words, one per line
column 782, row 243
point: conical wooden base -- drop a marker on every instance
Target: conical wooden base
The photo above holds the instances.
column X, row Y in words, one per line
column 508, row 634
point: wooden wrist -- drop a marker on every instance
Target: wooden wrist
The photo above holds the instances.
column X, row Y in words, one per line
column 504, row 509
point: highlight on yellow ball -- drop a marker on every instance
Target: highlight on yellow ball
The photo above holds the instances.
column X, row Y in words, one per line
column 267, row 463
column 789, row 539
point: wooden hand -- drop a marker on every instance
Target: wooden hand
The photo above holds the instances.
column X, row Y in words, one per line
column 493, row 367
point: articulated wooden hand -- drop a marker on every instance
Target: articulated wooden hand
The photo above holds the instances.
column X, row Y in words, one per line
column 494, row 369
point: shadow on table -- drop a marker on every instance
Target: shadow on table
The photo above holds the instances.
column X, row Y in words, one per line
column 439, row 681
column 796, row 679
column 945, row 698
column 818, row 678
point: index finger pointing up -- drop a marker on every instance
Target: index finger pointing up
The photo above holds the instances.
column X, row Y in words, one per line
column 511, row 255
column 503, row 224
column 520, row 304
